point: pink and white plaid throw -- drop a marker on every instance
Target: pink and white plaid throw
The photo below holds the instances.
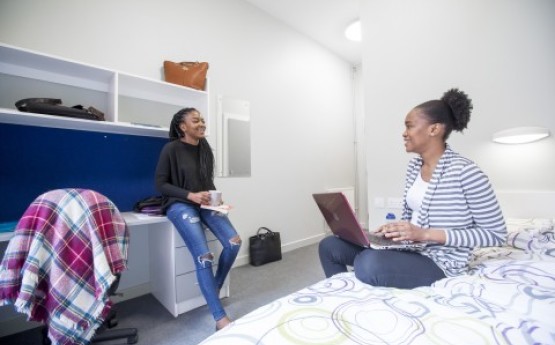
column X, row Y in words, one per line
column 64, row 255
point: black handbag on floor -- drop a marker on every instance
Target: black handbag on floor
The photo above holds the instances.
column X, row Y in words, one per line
column 264, row 247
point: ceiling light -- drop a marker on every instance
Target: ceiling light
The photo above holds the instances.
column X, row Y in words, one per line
column 353, row 32
column 520, row 135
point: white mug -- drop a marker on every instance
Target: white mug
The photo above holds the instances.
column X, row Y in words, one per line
column 215, row 197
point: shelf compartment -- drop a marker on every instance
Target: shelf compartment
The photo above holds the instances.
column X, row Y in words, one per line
column 11, row 116
column 28, row 64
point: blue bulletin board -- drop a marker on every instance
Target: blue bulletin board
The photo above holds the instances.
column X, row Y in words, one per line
column 34, row 160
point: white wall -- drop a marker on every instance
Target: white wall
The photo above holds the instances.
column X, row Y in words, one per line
column 300, row 94
column 361, row 202
column 501, row 52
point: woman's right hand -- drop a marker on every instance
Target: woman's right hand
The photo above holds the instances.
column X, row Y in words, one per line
column 201, row 198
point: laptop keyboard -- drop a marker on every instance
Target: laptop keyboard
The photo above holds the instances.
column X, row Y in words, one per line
column 380, row 240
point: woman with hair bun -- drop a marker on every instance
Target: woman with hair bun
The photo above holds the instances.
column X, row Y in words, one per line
column 448, row 203
column 184, row 175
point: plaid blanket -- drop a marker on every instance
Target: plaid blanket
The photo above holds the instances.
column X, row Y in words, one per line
column 64, row 255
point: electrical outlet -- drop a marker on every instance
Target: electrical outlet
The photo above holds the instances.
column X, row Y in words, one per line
column 395, row 203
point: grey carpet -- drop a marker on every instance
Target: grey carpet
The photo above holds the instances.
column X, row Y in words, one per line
column 251, row 287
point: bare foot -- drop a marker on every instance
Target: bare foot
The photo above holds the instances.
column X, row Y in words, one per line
column 223, row 322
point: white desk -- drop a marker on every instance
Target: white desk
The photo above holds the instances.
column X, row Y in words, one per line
column 5, row 236
column 171, row 271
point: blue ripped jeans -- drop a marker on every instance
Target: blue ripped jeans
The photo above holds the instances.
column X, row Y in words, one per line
column 188, row 219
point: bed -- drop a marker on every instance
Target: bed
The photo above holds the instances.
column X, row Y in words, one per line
column 508, row 298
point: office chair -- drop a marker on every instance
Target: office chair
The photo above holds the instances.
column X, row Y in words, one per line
column 105, row 331
column 111, row 321
column 63, row 264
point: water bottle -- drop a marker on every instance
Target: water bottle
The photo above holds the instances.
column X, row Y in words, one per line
column 389, row 218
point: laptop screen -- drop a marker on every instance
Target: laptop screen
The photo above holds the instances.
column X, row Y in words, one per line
column 340, row 217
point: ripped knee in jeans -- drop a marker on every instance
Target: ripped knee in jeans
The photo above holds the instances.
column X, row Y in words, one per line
column 235, row 241
column 191, row 219
column 205, row 258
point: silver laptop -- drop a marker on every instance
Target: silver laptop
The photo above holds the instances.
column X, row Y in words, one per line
column 342, row 221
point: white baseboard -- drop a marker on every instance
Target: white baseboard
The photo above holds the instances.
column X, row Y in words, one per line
column 245, row 260
column 302, row 243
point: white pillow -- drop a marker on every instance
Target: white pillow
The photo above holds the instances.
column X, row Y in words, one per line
column 531, row 235
column 529, row 224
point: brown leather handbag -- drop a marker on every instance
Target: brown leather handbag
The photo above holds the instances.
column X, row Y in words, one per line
column 190, row 74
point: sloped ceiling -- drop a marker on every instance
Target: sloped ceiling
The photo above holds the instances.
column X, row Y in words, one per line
column 324, row 21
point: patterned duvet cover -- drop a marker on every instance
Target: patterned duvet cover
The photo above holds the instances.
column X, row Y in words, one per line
column 508, row 298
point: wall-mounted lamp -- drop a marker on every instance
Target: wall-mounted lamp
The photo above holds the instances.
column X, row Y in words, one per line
column 353, row 32
column 520, row 135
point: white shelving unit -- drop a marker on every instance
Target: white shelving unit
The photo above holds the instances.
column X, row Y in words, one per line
column 131, row 104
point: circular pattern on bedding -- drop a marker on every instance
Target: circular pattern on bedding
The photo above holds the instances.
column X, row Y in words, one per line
column 380, row 321
column 306, row 326
column 304, row 299
column 467, row 329
column 332, row 285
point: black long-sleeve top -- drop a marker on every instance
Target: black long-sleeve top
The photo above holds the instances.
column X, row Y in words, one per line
column 178, row 173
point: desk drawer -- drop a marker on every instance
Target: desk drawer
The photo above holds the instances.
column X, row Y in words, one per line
column 184, row 260
column 186, row 286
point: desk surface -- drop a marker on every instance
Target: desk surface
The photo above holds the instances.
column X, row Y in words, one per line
column 131, row 218
column 5, row 236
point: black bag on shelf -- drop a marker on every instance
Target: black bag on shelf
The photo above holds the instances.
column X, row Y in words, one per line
column 53, row 106
column 151, row 206
column 264, row 247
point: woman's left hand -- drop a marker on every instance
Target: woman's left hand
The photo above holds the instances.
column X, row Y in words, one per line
column 400, row 231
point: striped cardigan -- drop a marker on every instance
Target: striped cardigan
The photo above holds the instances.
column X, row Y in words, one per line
column 461, row 201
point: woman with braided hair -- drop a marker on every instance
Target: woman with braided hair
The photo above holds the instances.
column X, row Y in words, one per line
column 448, row 203
column 184, row 175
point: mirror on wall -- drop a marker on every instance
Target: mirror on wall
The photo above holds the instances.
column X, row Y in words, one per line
column 233, row 138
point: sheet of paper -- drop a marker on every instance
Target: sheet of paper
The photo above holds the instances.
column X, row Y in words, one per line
column 222, row 208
